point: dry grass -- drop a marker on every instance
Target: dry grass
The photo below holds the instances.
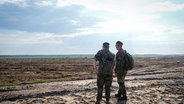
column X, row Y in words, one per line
column 22, row 71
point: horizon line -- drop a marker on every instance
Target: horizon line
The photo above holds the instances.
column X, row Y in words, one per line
column 85, row 54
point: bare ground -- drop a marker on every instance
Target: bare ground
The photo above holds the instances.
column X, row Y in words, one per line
column 155, row 80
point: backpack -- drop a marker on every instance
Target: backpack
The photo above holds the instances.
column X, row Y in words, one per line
column 129, row 61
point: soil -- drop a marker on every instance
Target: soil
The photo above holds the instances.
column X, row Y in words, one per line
column 154, row 80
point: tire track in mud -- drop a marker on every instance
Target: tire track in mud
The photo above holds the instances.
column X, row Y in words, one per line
column 152, row 73
column 66, row 90
column 155, row 79
column 41, row 95
column 163, row 85
column 52, row 90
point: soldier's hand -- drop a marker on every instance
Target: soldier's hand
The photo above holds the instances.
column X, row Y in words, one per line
column 114, row 75
column 96, row 70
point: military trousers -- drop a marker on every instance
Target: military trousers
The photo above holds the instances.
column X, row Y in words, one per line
column 104, row 79
column 121, row 82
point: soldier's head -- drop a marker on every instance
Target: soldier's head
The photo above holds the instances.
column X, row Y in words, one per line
column 105, row 45
column 119, row 45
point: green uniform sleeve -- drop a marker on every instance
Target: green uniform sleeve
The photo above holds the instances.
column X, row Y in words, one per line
column 98, row 56
column 119, row 62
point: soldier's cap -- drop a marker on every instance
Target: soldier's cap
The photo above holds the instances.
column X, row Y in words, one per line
column 119, row 43
column 106, row 44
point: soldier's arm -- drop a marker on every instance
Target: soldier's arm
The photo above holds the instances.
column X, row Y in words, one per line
column 119, row 62
column 96, row 58
column 95, row 65
column 123, row 59
column 114, row 68
column 114, row 63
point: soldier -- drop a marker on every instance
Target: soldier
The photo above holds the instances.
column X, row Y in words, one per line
column 104, row 71
column 120, row 71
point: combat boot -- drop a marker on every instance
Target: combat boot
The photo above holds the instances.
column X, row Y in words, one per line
column 118, row 95
column 123, row 98
column 107, row 101
column 97, row 102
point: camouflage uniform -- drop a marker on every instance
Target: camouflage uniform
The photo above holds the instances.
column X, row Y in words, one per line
column 105, row 72
column 121, row 71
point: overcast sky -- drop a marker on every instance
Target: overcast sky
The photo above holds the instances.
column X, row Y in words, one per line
column 81, row 26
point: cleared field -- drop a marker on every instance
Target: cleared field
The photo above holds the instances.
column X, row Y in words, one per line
column 154, row 80
column 33, row 69
column 15, row 71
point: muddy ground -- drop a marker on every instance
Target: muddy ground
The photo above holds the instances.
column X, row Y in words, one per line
column 154, row 80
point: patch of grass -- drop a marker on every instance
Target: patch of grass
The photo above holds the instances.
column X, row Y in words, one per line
column 64, row 79
column 47, row 80
column 35, row 81
column 51, row 80
column 10, row 84
column 40, row 81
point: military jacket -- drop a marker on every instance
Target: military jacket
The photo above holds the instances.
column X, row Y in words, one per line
column 120, row 62
column 106, row 61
